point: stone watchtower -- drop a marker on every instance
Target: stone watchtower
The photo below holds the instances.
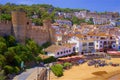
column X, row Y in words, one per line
column 19, row 21
column 50, row 30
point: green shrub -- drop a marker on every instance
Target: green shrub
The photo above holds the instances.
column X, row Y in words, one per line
column 17, row 60
column 57, row 70
column 16, row 69
column 49, row 60
column 47, row 44
column 8, row 69
column 67, row 64
column 38, row 59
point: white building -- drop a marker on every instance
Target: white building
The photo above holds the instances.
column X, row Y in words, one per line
column 95, row 42
column 100, row 21
column 60, row 50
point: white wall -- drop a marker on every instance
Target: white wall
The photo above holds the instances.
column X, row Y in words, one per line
column 75, row 40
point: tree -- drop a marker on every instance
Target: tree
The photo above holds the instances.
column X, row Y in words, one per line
column 37, row 22
column 75, row 20
column 9, row 55
column 5, row 17
column 90, row 21
column 32, row 46
column 16, row 69
column 3, row 47
column 10, row 40
column 8, row 69
column 49, row 60
column 38, row 59
column 2, row 60
column 2, row 39
column 17, row 60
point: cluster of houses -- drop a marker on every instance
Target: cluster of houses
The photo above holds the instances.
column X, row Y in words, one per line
column 84, row 39
column 98, row 18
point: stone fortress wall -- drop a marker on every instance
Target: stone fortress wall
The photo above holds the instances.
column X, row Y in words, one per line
column 21, row 27
column 5, row 28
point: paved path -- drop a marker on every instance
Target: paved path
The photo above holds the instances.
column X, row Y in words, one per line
column 29, row 74
column 33, row 76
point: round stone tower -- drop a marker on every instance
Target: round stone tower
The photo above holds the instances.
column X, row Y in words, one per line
column 19, row 21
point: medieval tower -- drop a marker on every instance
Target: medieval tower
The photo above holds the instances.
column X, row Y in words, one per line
column 19, row 23
column 50, row 30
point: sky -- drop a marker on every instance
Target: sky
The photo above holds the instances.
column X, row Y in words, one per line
column 93, row 5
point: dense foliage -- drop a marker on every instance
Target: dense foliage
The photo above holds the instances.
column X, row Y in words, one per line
column 49, row 60
column 12, row 54
column 57, row 70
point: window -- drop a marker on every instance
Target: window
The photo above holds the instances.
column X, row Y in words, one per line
column 100, row 41
column 113, row 45
column 64, row 51
column 58, row 53
column 105, row 42
column 69, row 50
column 110, row 37
column 84, row 44
column 73, row 48
column 27, row 23
column 102, row 38
column 46, row 53
column 100, row 45
column 91, row 44
column 61, row 52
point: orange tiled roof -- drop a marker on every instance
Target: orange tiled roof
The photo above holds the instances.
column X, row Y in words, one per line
column 79, row 35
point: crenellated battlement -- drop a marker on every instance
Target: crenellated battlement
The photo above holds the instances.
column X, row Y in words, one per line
column 5, row 22
column 37, row 28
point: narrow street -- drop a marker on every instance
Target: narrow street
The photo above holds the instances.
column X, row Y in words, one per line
column 29, row 74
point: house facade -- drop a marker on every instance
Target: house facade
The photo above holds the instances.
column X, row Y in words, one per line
column 60, row 50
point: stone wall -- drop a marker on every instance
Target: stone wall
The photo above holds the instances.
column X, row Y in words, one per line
column 5, row 28
column 42, row 75
column 21, row 28
column 38, row 33
column 41, row 34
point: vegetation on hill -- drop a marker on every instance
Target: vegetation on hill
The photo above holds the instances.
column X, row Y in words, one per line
column 12, row 54
column 41, row 11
